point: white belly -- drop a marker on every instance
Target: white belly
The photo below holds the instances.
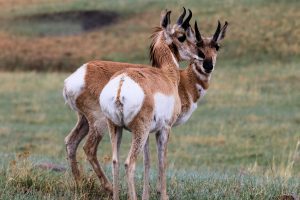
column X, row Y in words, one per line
column 163, row 111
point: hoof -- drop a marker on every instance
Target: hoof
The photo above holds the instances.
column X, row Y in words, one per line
column 108, row 188
column 158, row 191
column 165, row 197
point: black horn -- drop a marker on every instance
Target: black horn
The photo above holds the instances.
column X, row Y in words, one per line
column 198, row 35
column 180, row 19
column 217, row 33
column 186, row 22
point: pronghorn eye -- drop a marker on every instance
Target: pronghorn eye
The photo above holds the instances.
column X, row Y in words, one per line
column 181, row 38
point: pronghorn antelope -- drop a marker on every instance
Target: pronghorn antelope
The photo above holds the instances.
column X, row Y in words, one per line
column 153, row 100
column 83, row 87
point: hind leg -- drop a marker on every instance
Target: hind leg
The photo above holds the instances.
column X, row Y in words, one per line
column 146, row 187
column 95, row 135
column 115, row 138
column 139, row 139
column 72, row 141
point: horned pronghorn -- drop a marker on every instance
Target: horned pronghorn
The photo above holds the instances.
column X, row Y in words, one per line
column 148, row 100
column 83, row 87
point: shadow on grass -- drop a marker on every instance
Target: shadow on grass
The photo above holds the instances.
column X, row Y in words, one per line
column 64, row 23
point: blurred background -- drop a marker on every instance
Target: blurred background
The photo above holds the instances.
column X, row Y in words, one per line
column 242, row 141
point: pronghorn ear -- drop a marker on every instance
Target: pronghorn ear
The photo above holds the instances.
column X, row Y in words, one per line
column 223, row 31
column 220, row 32
column 165, row 19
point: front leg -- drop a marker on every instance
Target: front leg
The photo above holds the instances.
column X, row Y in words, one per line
column 162, row 139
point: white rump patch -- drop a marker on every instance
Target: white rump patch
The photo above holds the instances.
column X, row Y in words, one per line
column 73, row 86
column 163, row 111
column 131, row 98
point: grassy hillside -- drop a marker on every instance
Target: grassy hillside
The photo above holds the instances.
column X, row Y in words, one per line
column 32, row 36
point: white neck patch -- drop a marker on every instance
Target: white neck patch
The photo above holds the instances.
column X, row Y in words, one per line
column 201, row 90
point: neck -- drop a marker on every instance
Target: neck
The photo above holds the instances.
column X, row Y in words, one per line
column 193, row 82
column 162, row 55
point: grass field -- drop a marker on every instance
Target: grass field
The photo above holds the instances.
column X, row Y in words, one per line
column 243, row 141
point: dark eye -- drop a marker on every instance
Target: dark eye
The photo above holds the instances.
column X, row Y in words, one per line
column 181, row 38
column 201, row 54
column 199, row 44
column 217, row 47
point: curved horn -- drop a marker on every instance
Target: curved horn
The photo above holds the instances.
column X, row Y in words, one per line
column 186, row 23
column 180, row 19
column 217, row 33
column 198, row 35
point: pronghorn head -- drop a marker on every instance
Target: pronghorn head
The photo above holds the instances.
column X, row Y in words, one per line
column 177, row 37
column 208, row 47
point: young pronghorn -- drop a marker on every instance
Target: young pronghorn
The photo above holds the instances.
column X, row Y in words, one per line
column 83, row 87
column 153, row 100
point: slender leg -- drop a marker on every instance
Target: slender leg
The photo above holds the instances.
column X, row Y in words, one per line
column 138, row 141
column 158, row 185
column 115, row 137
column 72, row 141
column 162, row 141
column 90, row 148
column 146, row 170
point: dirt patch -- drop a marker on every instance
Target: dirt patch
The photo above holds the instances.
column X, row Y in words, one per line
column 69, row 22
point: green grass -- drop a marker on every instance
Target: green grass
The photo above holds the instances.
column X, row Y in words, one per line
column 241, row 142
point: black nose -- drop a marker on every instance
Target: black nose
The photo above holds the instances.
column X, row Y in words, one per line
column 208, row 65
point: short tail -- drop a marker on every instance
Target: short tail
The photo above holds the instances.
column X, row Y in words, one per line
column 69, row 98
